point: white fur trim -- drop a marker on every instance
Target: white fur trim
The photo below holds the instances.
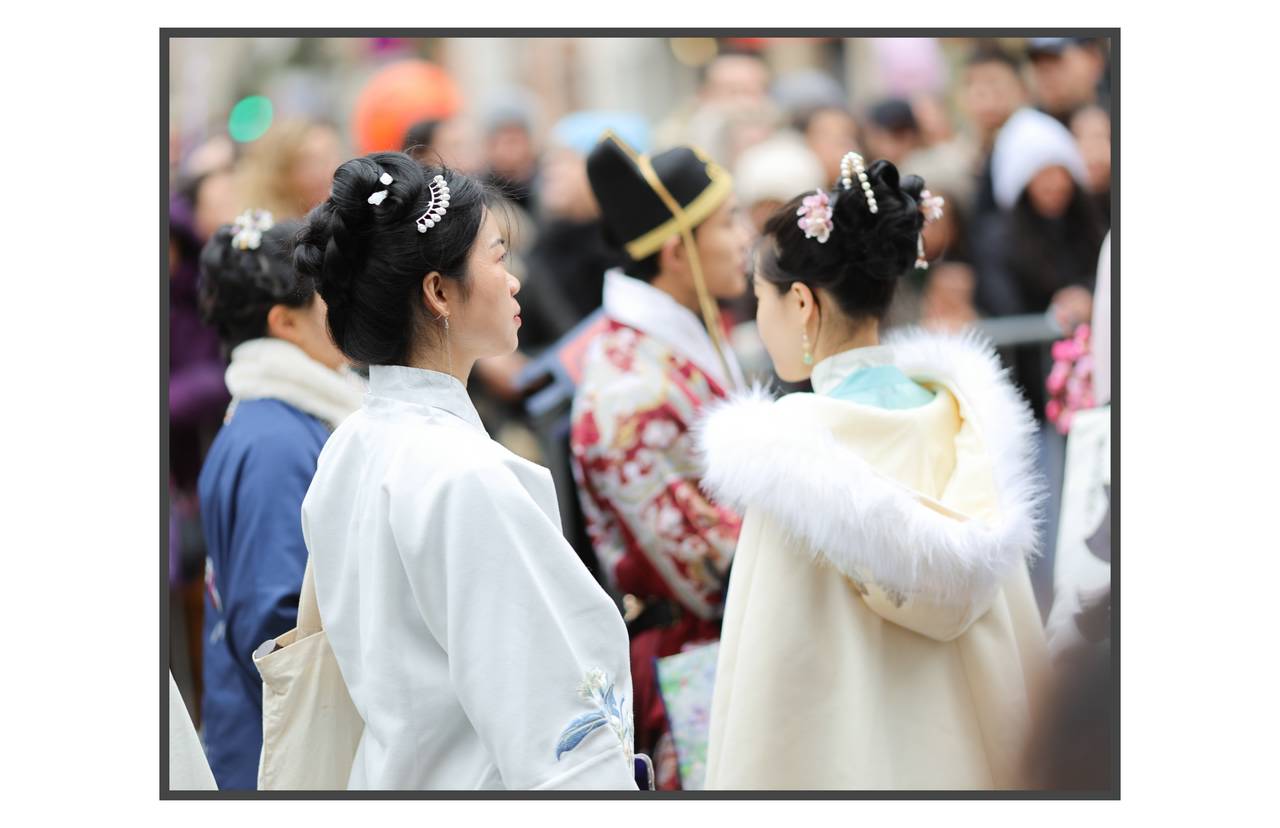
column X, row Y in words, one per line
column 270, row 368
column 774, row 456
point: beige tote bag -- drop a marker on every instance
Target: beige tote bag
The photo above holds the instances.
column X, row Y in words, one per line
column 310, row 728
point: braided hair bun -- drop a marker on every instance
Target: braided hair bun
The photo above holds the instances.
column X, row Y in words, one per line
column 368, row 257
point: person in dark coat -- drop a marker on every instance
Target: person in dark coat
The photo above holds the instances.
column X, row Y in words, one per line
column 290, row 387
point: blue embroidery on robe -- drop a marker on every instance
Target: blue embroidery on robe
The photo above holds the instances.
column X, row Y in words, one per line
column 597, row 687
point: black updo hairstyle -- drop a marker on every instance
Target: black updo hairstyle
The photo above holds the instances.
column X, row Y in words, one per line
column 865, row 254
column 238, row 287
column 369, row 261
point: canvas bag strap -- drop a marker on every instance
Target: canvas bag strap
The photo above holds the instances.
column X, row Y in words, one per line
column 308, row 607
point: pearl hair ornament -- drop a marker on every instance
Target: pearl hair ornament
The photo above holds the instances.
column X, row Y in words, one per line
column 438, row 207
column 852, row 165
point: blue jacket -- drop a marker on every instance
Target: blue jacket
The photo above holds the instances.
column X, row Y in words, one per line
column 251, row 490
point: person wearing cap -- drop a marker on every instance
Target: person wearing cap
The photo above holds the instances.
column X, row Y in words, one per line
column 1069, row 74
column 659, row 361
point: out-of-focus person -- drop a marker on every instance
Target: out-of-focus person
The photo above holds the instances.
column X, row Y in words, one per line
column 946, row 156
column 203, row 198
column 992, row 90
column 1039, row 253
column 732, row 80
column 567, row 263
column 1068, row 73
column 511, row 154
column 287, row 171
column 1092, row 128
column 770, row 173
column 1042, row 251
column 290, row 387
column 890, row 130
column 742, row 126
column 1069, row 748
column 453, row 141
column 830, row 132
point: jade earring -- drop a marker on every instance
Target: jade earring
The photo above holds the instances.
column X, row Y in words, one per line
column 808, row 353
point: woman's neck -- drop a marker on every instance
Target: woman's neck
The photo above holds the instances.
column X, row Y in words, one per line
column 864, row 336
column 429, row 360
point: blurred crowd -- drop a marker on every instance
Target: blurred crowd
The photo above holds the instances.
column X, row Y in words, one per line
column 1014, row 134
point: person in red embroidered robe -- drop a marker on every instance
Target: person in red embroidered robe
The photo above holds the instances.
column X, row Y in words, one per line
column 660, row 360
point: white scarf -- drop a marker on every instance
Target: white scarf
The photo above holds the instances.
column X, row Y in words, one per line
column 270, row 368
column 655, row 312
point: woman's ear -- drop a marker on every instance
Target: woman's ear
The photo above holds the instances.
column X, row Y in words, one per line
column 434, row 297
column 803, row 300
column 281, row 323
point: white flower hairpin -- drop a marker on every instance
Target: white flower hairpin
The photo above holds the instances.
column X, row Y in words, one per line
column 250, row 225
column 377, row 198
column 438, row 206
column 850, row 166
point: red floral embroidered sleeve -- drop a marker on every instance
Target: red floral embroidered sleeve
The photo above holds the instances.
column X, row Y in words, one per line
column 645, row 510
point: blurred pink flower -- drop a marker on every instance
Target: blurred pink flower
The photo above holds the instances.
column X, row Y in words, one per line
column 1070, row 381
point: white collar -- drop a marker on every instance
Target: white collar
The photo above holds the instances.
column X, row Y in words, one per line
column 835, row 369
column 656, row 313
column 270, row 368
column 421, row 387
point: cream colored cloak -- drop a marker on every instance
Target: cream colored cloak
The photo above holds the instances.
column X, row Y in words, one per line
column 880, row 630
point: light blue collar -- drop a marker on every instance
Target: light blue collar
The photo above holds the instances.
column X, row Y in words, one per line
column 867, row 376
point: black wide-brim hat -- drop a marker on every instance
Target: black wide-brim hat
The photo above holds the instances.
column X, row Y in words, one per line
column 630, row 188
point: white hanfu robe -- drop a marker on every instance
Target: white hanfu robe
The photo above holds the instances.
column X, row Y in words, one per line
column 477, row 648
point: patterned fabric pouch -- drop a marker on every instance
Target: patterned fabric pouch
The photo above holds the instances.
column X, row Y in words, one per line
column 686, row 681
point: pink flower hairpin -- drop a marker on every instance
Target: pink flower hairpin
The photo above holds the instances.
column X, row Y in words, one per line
column 815, row 217
column 931, row 206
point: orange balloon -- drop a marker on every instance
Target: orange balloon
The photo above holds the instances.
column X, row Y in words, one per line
column 398, row 97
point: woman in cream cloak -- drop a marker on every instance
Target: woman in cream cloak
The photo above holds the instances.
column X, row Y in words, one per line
column 880, row 631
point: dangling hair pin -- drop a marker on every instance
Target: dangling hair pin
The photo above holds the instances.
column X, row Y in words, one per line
column 931, row 206
column 850, row 166
column 438, row 207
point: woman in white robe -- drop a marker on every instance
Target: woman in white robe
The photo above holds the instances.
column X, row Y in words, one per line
column 880, row 631
column 478, row 650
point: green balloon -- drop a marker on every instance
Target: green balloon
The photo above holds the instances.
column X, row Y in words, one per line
column 250, row 118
